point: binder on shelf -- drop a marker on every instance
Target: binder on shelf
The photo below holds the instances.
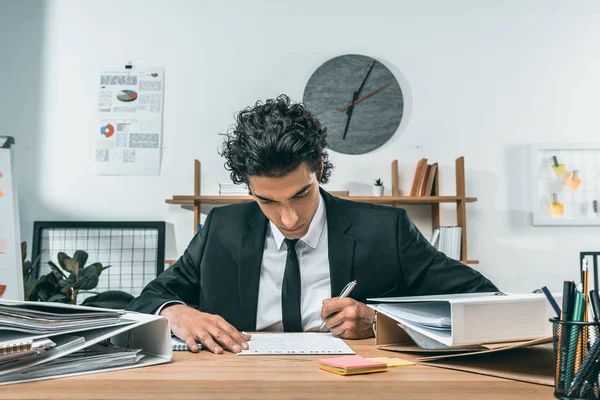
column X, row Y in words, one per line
column 141, row 338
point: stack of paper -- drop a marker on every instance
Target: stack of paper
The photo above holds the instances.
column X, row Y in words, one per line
column 351, row 365
column 92, row 358
column 35, row 319
column 47, row 340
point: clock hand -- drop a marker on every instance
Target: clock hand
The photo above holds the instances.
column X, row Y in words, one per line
column 364, row 97
column 354, row 98
column 349, row 113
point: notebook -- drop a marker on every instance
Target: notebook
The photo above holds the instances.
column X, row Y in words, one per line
column 351, row 365
column 179, row 345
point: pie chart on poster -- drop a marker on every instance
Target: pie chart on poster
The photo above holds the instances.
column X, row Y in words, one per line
column 107, row 130
column 127, row 95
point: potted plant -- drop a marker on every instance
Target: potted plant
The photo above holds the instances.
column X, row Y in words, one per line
column 63, row 284
column 378, row 187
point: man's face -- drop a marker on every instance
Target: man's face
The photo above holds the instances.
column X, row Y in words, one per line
column 290, row 202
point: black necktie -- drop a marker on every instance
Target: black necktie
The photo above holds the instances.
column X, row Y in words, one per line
column 290, row 290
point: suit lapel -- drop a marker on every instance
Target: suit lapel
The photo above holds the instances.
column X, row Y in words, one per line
column 250, row 256
column 341, row 244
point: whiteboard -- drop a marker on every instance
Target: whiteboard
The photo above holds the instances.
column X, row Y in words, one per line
column 11, row 273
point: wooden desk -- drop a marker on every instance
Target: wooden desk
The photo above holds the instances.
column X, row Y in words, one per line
column 208, row 376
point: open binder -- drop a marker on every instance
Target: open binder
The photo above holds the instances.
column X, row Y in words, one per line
column 503, row 336
column 149, row 335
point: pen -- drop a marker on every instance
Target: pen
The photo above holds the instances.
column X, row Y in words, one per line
column 595, row 300
column 345, row 293
column 567, row 308
column 552, row 301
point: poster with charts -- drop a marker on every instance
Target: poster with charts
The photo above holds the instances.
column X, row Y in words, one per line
column 128, row 137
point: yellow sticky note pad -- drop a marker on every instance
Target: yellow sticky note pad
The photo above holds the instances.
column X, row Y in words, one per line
column 1, row 194
column 556, row 208
column 560, row 169
column 392, row 361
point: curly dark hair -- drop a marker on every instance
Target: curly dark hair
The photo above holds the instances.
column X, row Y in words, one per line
column 272, row 139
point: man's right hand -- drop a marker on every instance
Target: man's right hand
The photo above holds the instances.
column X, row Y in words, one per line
column 212, row 330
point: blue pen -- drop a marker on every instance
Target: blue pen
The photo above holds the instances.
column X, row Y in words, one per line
column 553, row 302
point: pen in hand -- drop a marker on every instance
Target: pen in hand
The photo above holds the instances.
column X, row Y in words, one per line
column 345, row 293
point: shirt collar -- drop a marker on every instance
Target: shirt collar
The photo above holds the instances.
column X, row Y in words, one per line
column 314, row 232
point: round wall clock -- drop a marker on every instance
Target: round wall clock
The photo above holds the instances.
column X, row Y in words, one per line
column 358, row 99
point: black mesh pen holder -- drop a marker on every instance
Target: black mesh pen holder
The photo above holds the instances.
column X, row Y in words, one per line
column 576, row 359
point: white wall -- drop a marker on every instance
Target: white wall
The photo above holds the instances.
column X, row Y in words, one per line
column 482, row 79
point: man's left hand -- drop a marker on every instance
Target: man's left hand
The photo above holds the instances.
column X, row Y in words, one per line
column 348, row 318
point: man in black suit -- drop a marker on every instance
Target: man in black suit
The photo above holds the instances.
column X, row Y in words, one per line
column 279, row 263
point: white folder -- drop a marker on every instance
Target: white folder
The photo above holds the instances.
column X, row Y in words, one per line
column 150, row 333
column 474, row 319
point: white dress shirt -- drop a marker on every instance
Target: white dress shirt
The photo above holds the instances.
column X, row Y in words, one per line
column 313, row 257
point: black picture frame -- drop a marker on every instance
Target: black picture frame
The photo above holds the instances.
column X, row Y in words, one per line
column 40, row 226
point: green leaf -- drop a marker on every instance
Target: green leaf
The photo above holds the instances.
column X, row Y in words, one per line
column 81, row 257
column 27, row 266
column 114, row 299
column 46, row 290
column 87, row 283
column 30, row 288
column 68, row 264
column 23, row 251
column 60, row 298
column 68, row 282
column 56, row 271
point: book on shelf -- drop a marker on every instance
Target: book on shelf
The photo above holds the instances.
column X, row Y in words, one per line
column 424, row 178
column 414, row 190
column 447, row 239
column 431, row 176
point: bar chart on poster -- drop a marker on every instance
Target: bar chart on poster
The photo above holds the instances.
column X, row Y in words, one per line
column 11, row 279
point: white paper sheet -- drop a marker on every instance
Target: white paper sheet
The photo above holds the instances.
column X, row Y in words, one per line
column 128, row 137
column 295, row 344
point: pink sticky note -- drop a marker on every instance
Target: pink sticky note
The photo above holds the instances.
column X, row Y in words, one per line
column 2, row 246
column 0, row 174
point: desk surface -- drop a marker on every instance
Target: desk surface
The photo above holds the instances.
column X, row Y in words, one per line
column 226, row 376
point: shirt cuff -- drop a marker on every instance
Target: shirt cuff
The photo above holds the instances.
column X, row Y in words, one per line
column 166, row 304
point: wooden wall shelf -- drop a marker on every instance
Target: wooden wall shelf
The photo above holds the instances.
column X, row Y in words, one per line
column 196, row 200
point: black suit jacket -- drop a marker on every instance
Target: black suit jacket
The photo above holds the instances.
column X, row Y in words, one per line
column 378, row 246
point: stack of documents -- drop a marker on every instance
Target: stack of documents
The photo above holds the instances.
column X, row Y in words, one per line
column 230, row 189
column 95, row 357
column 35, row 319
column 462, row 320
column 48, row 340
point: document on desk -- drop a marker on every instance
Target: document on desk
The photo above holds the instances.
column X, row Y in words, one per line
column 295, row 344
